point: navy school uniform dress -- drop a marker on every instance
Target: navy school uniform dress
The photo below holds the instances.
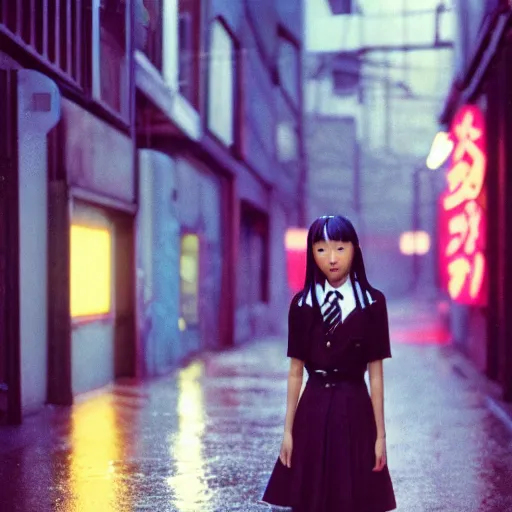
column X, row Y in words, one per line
column 334, row 430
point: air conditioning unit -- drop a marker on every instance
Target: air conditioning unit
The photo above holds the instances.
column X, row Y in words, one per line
column 342, row 6
column 346, row 73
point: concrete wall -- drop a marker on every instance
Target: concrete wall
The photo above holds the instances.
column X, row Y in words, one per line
column 92, row 359
column 158, row 263
column 331, row 143
column 177, row 196
column 33, row 264
column 198, row 208
column 468, row 325
column 165, row 308
column 387, row 207
column 256, row 318
column 280, row 295
column 259, row 112
column 33, row 241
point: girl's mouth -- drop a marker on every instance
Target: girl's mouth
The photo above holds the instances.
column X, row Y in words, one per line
column 333, row 270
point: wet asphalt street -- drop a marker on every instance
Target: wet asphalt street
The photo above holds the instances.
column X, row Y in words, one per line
column 206, row 438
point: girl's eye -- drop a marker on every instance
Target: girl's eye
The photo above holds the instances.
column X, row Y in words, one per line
column 319, row 250
column 341, row 248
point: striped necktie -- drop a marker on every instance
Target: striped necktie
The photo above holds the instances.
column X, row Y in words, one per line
column 331, row 310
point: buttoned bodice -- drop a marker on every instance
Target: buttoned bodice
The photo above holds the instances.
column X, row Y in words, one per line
column 363, row 336
column 343, row 349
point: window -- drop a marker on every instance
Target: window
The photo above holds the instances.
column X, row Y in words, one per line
column 189, row 277
column 287, row 132
column 221, row 84
column 287, row 135
column 181, row 29
column 189, row 46
column 186, row 56
column 148, row 29
column 91, row 271
column 142, row 24
column 287, row 142
column 289, row 68
column 111, row 79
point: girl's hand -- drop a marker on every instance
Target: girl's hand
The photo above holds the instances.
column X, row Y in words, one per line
column 380, row 454
column 286, row 450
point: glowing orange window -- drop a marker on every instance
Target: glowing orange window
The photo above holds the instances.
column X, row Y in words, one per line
column 189, row 274
column 91, row 271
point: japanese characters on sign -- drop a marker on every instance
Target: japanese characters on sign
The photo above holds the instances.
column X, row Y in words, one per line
column 462, row 211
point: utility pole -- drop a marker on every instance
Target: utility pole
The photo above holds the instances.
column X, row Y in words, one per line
column 416, row 224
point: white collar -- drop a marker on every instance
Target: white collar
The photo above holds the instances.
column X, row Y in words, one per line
column 345, row 289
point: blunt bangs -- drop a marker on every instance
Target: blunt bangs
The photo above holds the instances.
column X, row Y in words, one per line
column 335, row 228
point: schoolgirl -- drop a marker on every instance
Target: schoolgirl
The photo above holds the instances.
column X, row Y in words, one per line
column 333, row 453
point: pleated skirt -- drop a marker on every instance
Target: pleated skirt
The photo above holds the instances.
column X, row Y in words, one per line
column 334, row 435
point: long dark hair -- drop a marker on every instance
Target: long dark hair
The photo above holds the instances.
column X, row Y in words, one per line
column 339, row 229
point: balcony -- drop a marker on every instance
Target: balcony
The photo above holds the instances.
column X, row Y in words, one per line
column 166, row 67
column 55, row 34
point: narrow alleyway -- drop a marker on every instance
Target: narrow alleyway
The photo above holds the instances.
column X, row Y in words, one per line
column 205, row 439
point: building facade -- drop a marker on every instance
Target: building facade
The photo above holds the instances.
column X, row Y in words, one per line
column 69, row 314
column 371, row 97
column 220, row 146
column 151, row 163
column 482, row 328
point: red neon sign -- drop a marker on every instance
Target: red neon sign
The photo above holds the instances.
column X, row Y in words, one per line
column 296, row 249
column 463, row 223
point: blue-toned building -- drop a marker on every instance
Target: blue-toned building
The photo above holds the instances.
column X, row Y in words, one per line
column 220, row 145
column 151, row 160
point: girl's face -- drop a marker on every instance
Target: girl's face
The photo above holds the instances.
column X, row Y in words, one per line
column 334, row 259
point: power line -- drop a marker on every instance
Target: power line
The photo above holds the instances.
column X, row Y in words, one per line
column 406, row 13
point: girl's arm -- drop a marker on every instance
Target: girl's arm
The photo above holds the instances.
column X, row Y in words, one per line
column 376, row 372
column 294, row 386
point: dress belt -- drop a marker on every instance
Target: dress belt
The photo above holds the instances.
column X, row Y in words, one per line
column 329, row 378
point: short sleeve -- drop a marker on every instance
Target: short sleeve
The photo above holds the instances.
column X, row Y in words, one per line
column 379, row 341
column 296, row 341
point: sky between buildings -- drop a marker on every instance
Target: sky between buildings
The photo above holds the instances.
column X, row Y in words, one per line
column 427, row 74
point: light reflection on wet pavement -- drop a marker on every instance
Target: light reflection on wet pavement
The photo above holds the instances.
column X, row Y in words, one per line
column 206, row 438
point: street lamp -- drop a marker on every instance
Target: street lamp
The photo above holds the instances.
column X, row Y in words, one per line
column 442, row 147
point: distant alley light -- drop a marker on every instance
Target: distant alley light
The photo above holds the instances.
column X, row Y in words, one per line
column 442, row 147
column 296, row 239
column 415, row 242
